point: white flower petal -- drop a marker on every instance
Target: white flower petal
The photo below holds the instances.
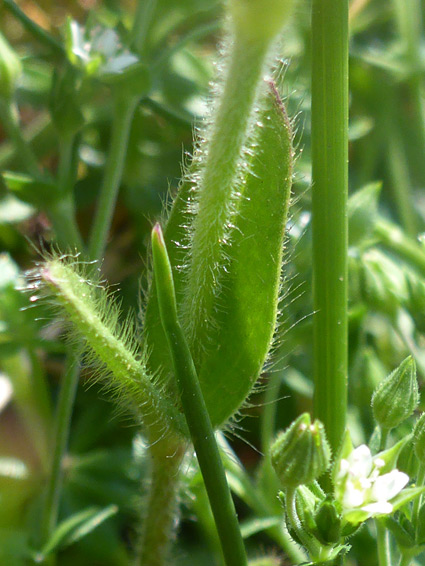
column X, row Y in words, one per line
column 353, row 497
column 379, row 508
column 360, row 461
column 389, row 485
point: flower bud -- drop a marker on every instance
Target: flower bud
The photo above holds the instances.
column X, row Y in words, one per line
column 259, row 19
column 395, row 399
column 328, row 522
column 362, row 208
column 419, row 439
column 10, row 69
column 301, row 454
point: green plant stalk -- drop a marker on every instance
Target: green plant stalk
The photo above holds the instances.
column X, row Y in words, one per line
column 60, row 439
column 62, row 213
column 420, row 481
column 217, row 182
column 383, row 542
column 312, row 546
column 195, row 410
column 123, row 115
column 260, row 504
column 398, row 165
column 329, row 208
column 159, row 523
column 409, row 20
column 34, row 29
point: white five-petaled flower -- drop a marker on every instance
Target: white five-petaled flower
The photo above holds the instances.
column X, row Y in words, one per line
column 361, row 488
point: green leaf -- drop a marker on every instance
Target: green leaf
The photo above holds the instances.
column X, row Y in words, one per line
column 256, row 525
column 248, row 303
column 403, row 538
column 405, row 496
column 76, row 527
column 246, row 309
column 30, row 190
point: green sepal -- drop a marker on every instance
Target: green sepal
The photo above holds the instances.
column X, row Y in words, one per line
column 301, row 453
column 37, row 192
column 391, row 455
column 397, row 396
column 328, row 522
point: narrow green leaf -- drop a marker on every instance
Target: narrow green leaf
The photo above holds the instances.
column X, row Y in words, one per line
column 256, row 525
column 405, row 496
column 30, row 190
column 247, row 307
column 76, row 527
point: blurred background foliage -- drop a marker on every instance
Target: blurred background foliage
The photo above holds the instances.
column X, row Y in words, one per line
column 57, row 94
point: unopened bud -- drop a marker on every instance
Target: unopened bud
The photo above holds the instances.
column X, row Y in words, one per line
column 10, row 69
column 328, row 522
column 397, row 396
column 300, row 454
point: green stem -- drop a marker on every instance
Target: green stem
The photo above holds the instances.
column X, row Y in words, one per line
column 159, row 522
column 399, row 167
column 383, row 542
column 260, row 502
column 34, row 29
column 392, row 237
column 420, row 481
column 62, row 216
column 123, row 116
column 217, row 181
column 329, row 206
column 62, row 212
column 61, row 437
column 385, row 432
column 312, row 547
column 10, row 118
column 195, row 410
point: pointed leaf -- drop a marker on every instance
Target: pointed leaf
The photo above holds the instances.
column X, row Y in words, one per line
column 76, row 527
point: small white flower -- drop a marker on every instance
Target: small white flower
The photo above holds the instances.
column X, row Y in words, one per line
column 362, row 490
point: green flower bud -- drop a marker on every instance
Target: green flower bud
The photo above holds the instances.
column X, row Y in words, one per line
column 384, row 282
column 259, row 19
column 395, row 399
column 10, row 69
column 301, row 454
column 419, row 439
column 328, row 522
column 362, row 209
